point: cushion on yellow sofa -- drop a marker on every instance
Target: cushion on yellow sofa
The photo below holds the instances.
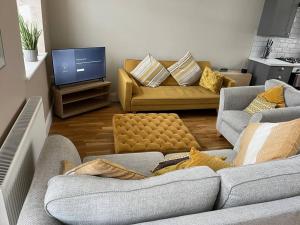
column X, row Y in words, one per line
column 130, row 64
column 150, row 72
column 212, row 80
column 275, row 95
column 186, row 71
column 197, row 158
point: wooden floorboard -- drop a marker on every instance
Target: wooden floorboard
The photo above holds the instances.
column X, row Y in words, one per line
column 92, row 132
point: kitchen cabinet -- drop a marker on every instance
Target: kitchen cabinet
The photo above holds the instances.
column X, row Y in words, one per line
column 262, row 72
column 277, row 18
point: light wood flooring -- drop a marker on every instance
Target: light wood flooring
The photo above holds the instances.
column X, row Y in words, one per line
column 92, row 132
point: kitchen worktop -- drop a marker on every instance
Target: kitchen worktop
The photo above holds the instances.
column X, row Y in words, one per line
column 274, row 62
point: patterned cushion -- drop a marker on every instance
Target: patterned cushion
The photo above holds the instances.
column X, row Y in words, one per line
column 186, row 71
column 151, row 132
column 150, row 72
column 211, row 80
column 259, row 104
column 178, row 155
column 262, row 142
column 105, row 168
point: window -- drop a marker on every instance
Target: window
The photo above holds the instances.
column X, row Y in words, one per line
column 31, row 11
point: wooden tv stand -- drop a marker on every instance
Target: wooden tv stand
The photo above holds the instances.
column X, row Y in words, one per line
column 76, row 99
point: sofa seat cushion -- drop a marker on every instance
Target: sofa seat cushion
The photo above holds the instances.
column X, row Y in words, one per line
column 96, row 201
column 172, row 95
column 280, row 212
column 258, row 183
column 238, row 120
column 143, row 163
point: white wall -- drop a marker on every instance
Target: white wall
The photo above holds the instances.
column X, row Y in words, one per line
column 12, row 75
column 217, row 30
column 14, row 88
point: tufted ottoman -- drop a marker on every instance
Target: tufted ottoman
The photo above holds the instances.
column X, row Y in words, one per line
column 151, row 132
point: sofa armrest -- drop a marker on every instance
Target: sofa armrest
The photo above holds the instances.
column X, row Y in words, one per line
column 228, row 82
column 56, row 149
column 238, row 98
column 277, row 115
column 125, row 89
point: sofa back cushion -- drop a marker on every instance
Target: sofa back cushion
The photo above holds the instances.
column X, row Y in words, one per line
column 291, row 94
column 258, row 183
column 96, row 200
column 130, row 64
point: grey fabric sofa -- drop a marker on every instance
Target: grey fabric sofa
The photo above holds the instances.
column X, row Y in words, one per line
column 232, row 120
column 266, row 193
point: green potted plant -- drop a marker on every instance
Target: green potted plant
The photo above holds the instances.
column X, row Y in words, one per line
column 29, row 37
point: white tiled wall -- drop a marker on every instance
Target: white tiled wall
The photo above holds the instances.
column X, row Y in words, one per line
column 286, row 47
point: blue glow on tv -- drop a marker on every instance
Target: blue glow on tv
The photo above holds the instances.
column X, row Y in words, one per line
column 78, row 65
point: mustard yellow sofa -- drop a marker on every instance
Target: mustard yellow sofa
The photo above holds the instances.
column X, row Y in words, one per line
column 168, row 96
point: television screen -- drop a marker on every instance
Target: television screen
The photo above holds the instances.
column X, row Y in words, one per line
column 80, row 64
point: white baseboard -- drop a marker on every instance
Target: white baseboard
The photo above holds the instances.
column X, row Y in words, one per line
column 49, row 119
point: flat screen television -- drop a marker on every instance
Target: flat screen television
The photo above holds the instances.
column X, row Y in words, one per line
column 78, row 65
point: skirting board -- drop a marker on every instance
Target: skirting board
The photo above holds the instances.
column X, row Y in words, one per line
column 114, row 97
column 49, row 119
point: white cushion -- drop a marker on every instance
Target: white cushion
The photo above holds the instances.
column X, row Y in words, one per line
column 186, row 71
column 150, row 72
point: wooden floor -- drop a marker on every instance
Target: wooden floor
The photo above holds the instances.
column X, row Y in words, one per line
column 92, row 132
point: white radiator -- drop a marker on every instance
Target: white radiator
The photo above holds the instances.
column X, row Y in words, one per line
column 18, row 156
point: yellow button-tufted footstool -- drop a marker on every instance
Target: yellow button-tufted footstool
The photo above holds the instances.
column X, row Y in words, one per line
column 151, row 132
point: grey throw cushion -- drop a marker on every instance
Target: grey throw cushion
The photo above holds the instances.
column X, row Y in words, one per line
column 291, row 94
column 95, row 200
column 258, row 183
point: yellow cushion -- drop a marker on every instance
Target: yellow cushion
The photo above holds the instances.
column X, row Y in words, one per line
column 262, row 142
column 151, row 132
column 197, row 158
column 105, row 168
column 259, row 104
column 212, row 80
column 275, row 95
column 130, row 64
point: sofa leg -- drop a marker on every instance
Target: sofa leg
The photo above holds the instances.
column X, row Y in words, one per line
column 219, row 134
